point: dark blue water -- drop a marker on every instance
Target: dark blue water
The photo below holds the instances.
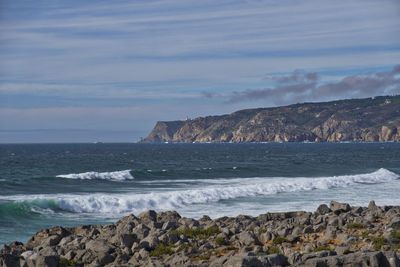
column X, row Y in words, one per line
column 195, row 179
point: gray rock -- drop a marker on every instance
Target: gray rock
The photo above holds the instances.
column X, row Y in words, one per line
column 265, row 237
column 219, row 261
column 154, row 263
column 141, row 231
column 245, row 261
column 104, row 258
column 133, row 262
column 121, row 260
column 89, row 256
column 178, row 260
column 143, row 253
column 47, row 261
column 308, row 229
column 148, row 216
column 395, row 223
column 99, row 246
column 330, row 232
column 8, row 260
column 168, row 216
column 127, row 240
column 293, row 238
column 284, row 231
column 392, row 258
column 65, row 240
column 323, row 209
column 52, row 240
column 247, row 238
column 319, row 228
column 70, row 255
column 149, row 243
column 189, row 222
column 169, row 225
column 277, row 260
column 377, row 259
column 206, row 246
column 79, row 254
column 338, row 207
column 342, row 250
column 294, row 258
column 372, row 205
column 27, row 254
column 333, row 221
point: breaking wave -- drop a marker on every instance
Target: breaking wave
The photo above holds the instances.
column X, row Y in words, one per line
column 242, row 187
column 113, row 176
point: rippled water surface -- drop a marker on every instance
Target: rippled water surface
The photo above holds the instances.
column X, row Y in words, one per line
column 70, row 184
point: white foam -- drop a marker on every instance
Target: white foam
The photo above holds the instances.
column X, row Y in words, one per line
column 114, row 176
column 242, row 187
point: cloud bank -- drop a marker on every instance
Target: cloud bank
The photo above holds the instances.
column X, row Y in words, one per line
column 300, row 86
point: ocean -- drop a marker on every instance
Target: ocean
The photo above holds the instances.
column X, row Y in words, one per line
column 43, row 185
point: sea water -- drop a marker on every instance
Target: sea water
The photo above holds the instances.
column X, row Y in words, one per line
column 43, row 185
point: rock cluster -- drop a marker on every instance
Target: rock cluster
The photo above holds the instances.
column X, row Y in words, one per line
column 359, row 120
column 334, row 235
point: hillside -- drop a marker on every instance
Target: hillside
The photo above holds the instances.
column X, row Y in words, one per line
column 364, row 120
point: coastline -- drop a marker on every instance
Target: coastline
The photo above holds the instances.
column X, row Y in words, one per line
column 333, row 235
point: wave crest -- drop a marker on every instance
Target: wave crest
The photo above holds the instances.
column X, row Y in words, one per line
column 130, row 202
column 113, row 176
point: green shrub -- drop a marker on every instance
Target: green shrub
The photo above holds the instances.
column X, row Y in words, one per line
column 355, row 226
column 322, row 248
column 365, row 234
column 183, row 247
column 66, row 263
column 273, row 250
column 197, row 232
column 161, row 250
column 220, row 241
column 262, row 231
column 395, row 234
column 378, row 242
column 279, row 240
column 205, row 257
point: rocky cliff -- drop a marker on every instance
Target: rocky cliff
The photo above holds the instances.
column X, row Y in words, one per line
column 363, row 120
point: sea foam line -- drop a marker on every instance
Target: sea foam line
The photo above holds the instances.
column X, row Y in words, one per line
column 113, row 176
column 133, row 202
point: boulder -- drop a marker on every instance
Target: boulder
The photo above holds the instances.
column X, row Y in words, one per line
column 148, row 216
column 323, row 209
column 47, row 261
column 378, row 259
column 141, row 231
column 245, row 261
column 338, row 207
column 9, row 260
column 99, row 245
column 168, row 216
column 277, row 260
column 247, row 238
column 127, row 240
column 395, row 223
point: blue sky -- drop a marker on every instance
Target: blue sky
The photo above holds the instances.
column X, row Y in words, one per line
column 83, row 71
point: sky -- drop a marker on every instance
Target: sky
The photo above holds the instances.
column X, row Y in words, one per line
column 88, row 71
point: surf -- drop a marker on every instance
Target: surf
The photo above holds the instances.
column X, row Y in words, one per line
column 122, row 203
column 112, row 176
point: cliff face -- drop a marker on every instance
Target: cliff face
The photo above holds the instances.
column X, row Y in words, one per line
column 367, row 120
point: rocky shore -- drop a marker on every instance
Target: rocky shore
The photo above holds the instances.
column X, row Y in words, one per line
column 333, row 235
